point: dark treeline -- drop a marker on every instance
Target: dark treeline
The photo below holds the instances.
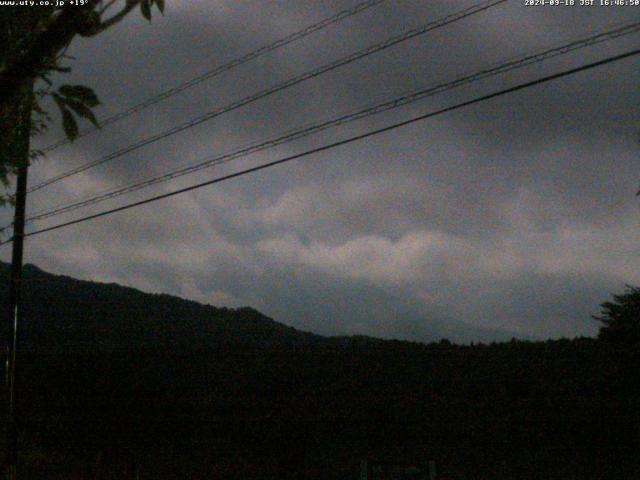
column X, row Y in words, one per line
column 561, row 409
column 313, row 408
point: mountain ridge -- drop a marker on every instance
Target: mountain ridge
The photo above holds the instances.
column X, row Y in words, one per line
column 62, row 313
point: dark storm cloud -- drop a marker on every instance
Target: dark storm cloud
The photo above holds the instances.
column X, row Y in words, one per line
column 516, row 214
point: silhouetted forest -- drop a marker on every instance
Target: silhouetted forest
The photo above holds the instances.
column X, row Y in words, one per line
column 115, row 383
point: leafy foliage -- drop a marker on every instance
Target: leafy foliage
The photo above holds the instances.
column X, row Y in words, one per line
column 145, row 7
column 80, row 100
column 621, row 318
column 33, row 42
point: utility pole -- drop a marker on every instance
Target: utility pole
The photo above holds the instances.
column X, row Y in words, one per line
column 12, row 313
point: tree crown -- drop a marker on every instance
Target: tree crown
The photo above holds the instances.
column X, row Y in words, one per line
column 621, row 318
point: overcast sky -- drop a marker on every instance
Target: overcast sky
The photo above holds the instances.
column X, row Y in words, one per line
column 517, row 214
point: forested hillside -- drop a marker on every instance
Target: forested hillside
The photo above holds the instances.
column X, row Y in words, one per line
column 272, row 403
column 62, row 314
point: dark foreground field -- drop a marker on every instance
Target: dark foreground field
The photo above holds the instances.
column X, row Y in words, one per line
column 559, row 409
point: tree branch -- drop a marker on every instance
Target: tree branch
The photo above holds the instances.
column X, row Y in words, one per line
column 107, row 6
column 130, row 5
column 42, row 50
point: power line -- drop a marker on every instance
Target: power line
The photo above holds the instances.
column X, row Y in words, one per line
column 477, row 8
column 352, row 139
column 360, row 7
column 363, row 113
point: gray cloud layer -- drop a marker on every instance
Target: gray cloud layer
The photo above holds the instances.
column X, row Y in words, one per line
column 516, row 214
